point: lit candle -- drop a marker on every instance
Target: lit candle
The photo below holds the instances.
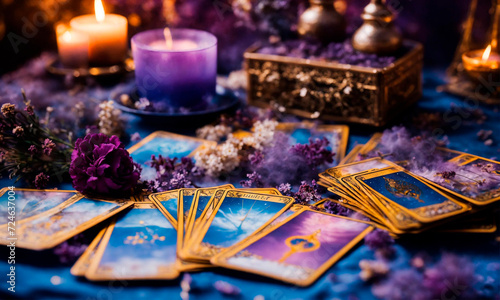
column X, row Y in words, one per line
column 107, row 35
column 481, row 63
column 73, row 47
column 175, row 67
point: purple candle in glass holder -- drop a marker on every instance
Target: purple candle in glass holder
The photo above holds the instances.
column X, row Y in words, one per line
column 175, row 68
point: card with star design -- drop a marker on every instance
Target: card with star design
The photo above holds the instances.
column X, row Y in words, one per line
column 138, row 245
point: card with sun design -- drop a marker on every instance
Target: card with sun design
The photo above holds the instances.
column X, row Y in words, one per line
column 237, row 214
column 138, row 245
column 298, row 250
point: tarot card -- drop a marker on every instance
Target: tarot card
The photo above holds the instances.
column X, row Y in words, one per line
column 473, row 224
column 192, row 205
column 20, row 204
column 53, row 227
column 299, row 250
column 237, row 215
column 213, row 201
column 138, row 245
column 422, row 201
column 476, row 179
column 82, row 264
column 168, row 145
column 337, row 135
column 167, row 203
column 351, row 157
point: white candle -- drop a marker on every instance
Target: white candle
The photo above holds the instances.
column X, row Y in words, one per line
column 73, row 47
column 107, row 35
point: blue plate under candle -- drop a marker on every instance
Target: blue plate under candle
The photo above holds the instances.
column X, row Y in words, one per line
column 224, row 101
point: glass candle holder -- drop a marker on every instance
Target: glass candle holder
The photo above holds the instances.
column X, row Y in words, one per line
column 175, row 70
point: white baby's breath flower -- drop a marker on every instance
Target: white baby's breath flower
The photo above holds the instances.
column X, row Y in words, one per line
column 213, row 133
column 109, row 118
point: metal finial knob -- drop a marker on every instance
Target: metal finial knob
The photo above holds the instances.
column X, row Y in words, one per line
column 322, row 22
column 378, row 34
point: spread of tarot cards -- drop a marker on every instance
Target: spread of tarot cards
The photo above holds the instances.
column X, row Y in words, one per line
column 450, row 191
column 257, row 230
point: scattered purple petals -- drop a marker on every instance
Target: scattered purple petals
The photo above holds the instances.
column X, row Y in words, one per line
column 135, row 137
column 226, row 288
column 71, row 249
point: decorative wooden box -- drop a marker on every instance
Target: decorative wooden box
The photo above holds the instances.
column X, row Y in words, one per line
column 334, row 91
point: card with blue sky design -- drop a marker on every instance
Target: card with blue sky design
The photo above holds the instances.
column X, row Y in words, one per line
column 298, row 250
column 167, row 203
column 54, row 226
column 188, row 201
column 237, row 215
column 138, row 245
column 410, row 193
column 30, row 202
column 337, row 135
column 204, row 206
column 168, row 145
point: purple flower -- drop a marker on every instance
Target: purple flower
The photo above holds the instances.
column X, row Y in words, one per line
column 285, row 189
column 315, row 153
column 41, row 181
column 32, row 150
column 308, row 193
column 179, row 180
column 101, row 165
column 256, row 158
column 254, row 180
column 172, row 175
column 48, row 146
column 226, row 288
column 30, row 110
column 336, row 208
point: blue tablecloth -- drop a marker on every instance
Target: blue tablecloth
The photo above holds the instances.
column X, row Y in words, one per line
column 41, row 276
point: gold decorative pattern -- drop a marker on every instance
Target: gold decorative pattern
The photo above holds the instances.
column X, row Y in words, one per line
column 335, row 91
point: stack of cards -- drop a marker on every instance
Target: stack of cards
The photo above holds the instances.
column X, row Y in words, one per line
column 401, row 201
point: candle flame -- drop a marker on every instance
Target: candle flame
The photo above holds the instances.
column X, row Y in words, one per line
column 67, row 36
column 486, row 53
column 100, row 15
column 168, row 37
